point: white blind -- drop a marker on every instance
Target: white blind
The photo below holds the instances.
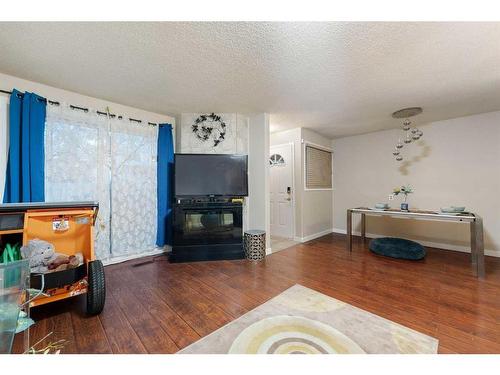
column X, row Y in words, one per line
column 318, row 168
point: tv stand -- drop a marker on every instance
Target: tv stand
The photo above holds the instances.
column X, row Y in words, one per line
column 207, row 228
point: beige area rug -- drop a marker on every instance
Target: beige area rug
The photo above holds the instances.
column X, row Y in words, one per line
column 301, row 320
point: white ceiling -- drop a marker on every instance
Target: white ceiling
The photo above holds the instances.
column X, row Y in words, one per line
column 336, row 78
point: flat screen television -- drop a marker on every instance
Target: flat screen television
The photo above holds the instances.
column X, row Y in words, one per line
column 210, row 175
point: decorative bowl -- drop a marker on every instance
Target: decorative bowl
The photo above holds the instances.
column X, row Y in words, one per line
column 381, row 205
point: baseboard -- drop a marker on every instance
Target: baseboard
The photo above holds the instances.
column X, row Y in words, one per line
column 437, row 245
column 125, row 258
column 312, row 236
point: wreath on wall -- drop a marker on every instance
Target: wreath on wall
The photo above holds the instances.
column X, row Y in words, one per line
column 208, row 127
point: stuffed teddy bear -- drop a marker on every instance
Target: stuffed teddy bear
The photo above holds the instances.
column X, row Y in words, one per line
column 39, row 253
column 43, row 259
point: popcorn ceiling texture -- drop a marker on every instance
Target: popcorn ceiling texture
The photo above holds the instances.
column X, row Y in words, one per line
column 336, row 78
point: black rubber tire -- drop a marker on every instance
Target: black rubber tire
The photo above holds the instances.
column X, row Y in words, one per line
column 96, row 293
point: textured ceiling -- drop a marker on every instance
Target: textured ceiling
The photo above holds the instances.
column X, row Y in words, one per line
column 336, row 78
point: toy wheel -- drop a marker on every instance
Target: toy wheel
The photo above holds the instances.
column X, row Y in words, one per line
column 96, row 293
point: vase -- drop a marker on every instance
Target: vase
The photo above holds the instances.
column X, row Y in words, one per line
column 404, row 206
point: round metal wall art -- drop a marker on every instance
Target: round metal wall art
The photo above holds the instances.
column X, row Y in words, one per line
column 209, row 126
column 411, row 133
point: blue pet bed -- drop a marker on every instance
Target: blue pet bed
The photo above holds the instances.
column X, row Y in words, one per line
column 397, row 248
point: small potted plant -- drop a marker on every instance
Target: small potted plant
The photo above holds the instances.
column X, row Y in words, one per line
column 403, row 190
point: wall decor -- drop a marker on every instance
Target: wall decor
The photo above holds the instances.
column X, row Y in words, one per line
column 411, row 133
column 235, row 139
column 210, row 127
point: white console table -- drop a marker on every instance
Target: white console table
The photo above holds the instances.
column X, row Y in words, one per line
column 474, row 220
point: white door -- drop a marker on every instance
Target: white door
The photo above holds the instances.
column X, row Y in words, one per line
column 281, row 194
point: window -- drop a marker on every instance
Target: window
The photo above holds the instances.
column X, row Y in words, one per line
column 318, row 168
column 276, row 159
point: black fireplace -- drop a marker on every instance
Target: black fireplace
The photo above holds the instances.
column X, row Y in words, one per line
column 207, row 230
column 208, row 208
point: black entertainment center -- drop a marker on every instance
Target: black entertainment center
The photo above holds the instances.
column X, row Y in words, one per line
column 208, row 207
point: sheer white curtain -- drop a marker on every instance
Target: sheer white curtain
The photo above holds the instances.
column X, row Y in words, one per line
column 133, row 187
column 91, row 157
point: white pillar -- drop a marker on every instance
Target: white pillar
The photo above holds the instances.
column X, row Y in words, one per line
column 258, row 174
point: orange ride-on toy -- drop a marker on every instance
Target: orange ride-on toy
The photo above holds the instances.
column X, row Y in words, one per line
column 69, row 227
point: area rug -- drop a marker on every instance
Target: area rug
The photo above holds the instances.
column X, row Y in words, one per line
column 301, row 320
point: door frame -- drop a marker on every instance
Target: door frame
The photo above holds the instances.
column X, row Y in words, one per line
column 292, row 147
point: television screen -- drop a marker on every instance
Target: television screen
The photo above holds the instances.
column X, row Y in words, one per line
column 211, row 174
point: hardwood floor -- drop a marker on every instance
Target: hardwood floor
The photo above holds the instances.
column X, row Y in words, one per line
column 160, row 307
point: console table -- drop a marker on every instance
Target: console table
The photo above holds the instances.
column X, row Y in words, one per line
column 474, row 220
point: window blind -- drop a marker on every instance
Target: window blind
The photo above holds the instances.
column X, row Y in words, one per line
column 318, row 168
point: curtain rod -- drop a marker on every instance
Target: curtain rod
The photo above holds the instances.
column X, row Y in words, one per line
column 56, row 103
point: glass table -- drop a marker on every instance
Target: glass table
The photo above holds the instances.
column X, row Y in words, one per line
column 475, row 225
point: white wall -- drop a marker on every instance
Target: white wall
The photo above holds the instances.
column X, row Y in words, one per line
column 258, row 174
column 313, row 209
column 456, row 162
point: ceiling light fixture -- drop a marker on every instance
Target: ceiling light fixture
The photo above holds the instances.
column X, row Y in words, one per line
column 411, row 134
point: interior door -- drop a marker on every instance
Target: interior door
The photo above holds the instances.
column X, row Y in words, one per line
column 281, row 194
